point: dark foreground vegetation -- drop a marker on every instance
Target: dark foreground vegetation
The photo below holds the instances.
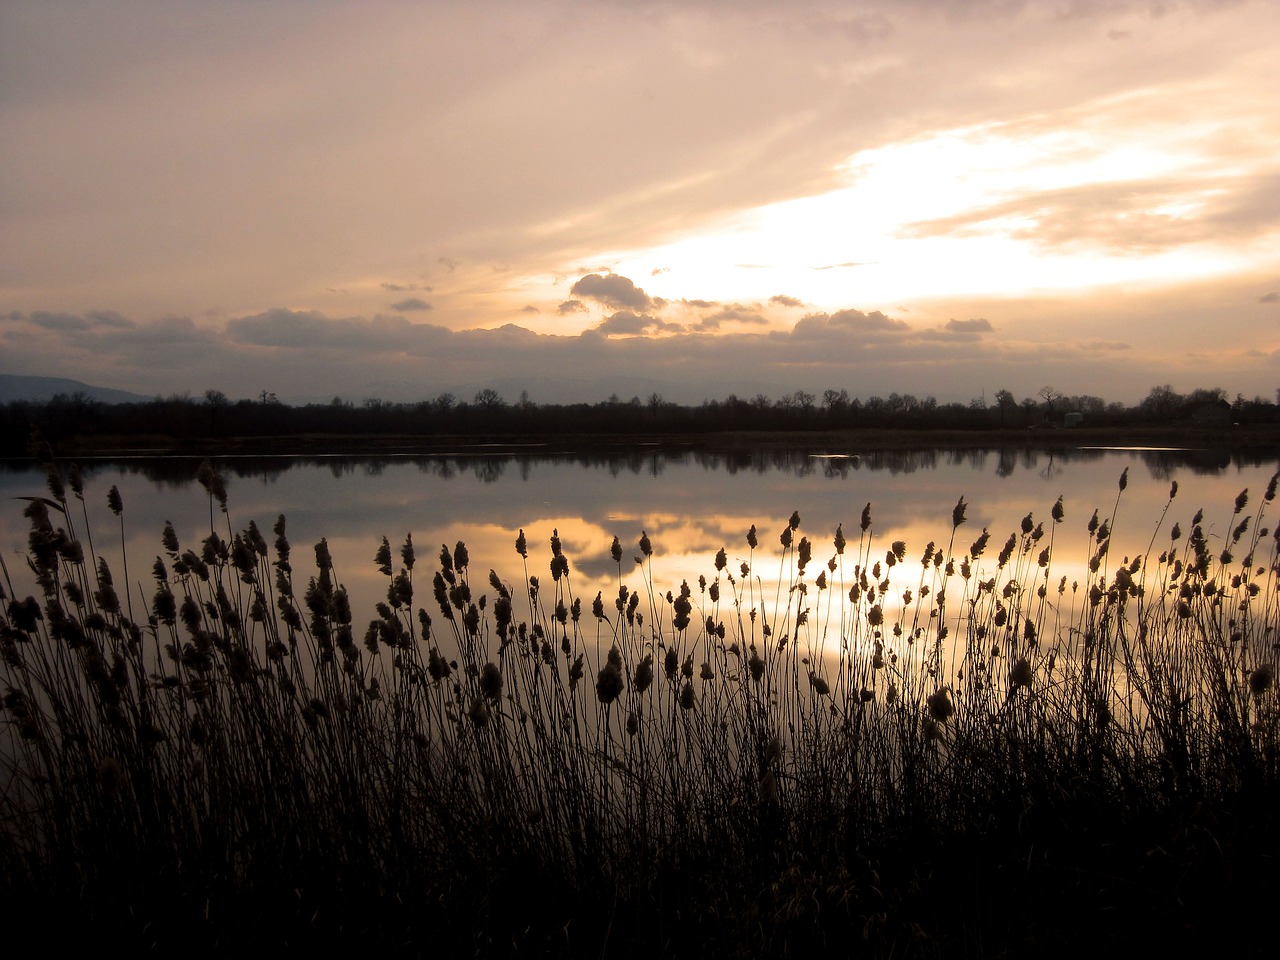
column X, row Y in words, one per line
column 79, row 426
column 901, row 751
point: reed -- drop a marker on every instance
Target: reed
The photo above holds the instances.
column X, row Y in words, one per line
column 915, row 751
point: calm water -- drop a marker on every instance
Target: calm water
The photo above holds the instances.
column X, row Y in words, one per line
column 691, row 505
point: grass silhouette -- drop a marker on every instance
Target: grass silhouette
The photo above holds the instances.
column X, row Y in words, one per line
column 899, row 753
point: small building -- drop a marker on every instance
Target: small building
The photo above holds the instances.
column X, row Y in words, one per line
column 1073, row 419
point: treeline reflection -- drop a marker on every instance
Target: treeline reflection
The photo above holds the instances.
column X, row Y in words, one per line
column 177, row 472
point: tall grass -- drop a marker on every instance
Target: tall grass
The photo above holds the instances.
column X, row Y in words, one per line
column 948, row 748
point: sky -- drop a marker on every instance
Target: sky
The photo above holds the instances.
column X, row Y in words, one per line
column 699, row 198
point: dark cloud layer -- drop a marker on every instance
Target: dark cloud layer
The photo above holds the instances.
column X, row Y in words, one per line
column 313, row 331
column 306, row 355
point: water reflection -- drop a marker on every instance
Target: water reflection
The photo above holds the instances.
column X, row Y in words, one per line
column 692, row 503
column 1160, row 463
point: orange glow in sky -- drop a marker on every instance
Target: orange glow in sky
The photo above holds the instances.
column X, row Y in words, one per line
column 394, row 200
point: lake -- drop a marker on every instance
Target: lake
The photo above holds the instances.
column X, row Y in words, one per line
column 691, row 504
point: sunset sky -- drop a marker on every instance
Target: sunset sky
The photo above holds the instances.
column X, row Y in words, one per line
column 700, row 198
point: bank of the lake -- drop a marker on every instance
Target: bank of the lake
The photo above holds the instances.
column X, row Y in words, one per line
column 1174, row 436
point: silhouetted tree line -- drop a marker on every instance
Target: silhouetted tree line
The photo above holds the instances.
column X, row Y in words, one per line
column 214, row 416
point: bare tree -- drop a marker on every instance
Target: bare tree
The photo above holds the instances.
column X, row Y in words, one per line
column 835, row 400
column 490, row 399
column 1050, row 396
column 1161, row 402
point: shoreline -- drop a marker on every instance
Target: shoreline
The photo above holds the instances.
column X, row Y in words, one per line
column 1259, row 438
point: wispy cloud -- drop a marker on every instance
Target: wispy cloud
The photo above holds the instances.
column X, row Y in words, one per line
column 411, row 304
column 1132, row 215
column 93, row 320
column 979, row 325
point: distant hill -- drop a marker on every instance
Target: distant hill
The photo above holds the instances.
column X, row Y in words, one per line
column 13, row 387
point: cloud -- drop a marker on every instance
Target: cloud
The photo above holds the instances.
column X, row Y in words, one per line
column 859, row 29
column 412, row 303
column 109, row 318
column 625, row 322
column 839, row 266
column 616, row 291
column 969, row 326
column 402, row 287
column 279, row 327
column 529, row 308
column 170, row 331
column 306, row 356
column 701, row 304
column 1122, row 216
column 782, row 300
column 312, row 330
column 1272, row 297
column 740, row 107
column 510, row 335
column 572, row 306
column 104, row 348
column 732, row 313
column 1244, row 207
column 846, row 323
column 59, row 321
column 66, row 322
